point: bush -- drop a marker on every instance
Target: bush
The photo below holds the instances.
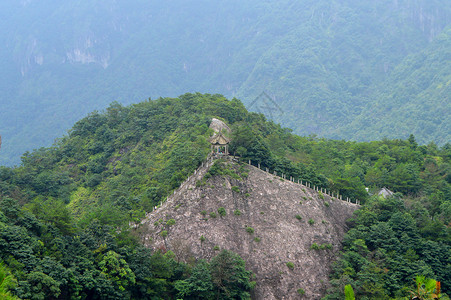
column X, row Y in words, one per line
column 327, row 204
column 235, row 189
column 216, row 248
column 247, row 195
column 237, row 212
column 202, row 239
column 314, row 246
column 311, row 221
column 222, row 212
column 213, row 215
column 301, row 291
column 250, row 230
column 164, row 233
column 320, row 194
column 290, row 265
column 298, row 217
column 170, row 222
column 257, row 239
column 203, row 213
column 326, row 246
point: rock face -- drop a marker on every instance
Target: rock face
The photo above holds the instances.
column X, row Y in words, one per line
column 219, row 126
column 269, row 222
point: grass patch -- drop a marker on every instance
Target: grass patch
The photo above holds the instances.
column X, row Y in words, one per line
column 213, row 215
column 290, row 265
column 170, row 222
column 298, row 217
column 237, row 212
column 311, row 221
column 235, row 189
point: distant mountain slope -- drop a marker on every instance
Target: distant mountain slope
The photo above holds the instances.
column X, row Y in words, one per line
column 322, row 61
column 415, row 98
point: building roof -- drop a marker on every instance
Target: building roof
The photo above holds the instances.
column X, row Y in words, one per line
column 384, row 192
column 219, row 139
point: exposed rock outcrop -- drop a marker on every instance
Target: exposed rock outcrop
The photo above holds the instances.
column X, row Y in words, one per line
column 269, row 222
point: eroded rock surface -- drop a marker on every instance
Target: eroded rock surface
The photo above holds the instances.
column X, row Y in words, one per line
column 278, row 211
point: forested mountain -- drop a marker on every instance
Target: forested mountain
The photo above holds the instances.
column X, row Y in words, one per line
column 65, row 211
column 341, row 69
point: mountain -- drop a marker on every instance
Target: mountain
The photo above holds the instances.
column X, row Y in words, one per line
column 325, row 65
column 287, row 233
column 68, row 212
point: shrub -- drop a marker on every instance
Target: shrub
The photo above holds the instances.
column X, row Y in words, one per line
column 164, row 233
column 203, row 213
column 262, row 213
column 326, row 246
column 301, row 291
column 237, row 212
column 311, row 221
column 327, row 204
column 298, row 217
column 170, row 222
column 320, row 194
column 314, row 246
column 304, row 197
column 290, row 265
column 235, row 189
column 216, row 248
column 202, row 238
column 222, row 212
column 247, row 195
column 213, row 215
column 250, row 230
column 257, row 239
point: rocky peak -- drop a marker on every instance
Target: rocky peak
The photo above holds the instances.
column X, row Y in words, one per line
column 288, row 233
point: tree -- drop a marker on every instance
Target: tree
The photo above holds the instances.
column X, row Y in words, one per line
column 349, row 292
column 230, row 277
column 199, row 285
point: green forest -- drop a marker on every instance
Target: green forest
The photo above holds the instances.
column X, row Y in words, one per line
column 350, row 69
column 65, row 210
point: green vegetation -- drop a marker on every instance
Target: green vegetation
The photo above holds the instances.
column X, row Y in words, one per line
column 213, row 215
column 257, row 239
column 202, row 239
column 222, row 212
column 65, row 208
column 170, row 222
column 237, row 212
column 393, row 238
column 164, row 233
column 235, row 189
column 327, row 204
column 298, row 217
column 250, row 230
column 301, row 291
column 315, row 246
column 311, row 221
column 290, row 265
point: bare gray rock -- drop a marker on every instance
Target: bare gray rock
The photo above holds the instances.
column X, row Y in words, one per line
column 266, row 223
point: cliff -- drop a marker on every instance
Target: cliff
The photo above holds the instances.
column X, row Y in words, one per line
column 270, row 222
